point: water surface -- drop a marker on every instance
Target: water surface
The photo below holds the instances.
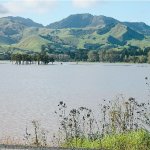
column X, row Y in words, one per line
column 31, row 92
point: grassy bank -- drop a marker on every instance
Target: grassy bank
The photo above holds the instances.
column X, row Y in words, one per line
column 133, row 140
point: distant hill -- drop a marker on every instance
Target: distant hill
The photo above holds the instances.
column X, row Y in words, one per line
column 11, row 28
column 83, row 21
column 79, row 31
column 88, row 20
column 24, row 21
column 140, row 27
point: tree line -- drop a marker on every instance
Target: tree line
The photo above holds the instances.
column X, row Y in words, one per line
column 39, row 58
column 131, row 54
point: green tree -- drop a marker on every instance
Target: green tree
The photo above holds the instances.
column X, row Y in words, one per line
column 148, row 57
column 93, row 56
column 51, row 59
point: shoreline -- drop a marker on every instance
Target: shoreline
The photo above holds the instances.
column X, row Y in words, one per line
column 77, row 63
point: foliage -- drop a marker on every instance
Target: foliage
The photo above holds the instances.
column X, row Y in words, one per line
column 39, row 58
column 124, row 124
column 133, row 140
column 131, row 54
column 38, row 137
column 93, row 56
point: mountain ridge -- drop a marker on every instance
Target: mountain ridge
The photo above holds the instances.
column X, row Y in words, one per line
column 96, row 16
column 101, row 19
column 88, row 20
column 77, row 31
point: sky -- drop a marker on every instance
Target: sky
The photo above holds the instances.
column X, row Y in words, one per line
column 48, row 11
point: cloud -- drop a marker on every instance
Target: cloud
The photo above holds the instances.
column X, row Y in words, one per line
column 90, row 3
column 17, row 7
column 84, row 3
column 3, row 10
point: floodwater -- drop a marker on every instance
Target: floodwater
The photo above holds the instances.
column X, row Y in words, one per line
column 32, row 92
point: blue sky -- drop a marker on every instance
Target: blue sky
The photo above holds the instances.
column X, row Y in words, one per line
column 48, row 11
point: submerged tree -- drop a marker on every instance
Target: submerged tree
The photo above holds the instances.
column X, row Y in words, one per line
column 39, row 58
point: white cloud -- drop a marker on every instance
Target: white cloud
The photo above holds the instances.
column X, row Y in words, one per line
column 84, row 3
column 90, row 3
column 17, row 7
column 3, row 10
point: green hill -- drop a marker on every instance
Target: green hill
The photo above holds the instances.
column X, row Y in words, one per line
column 74, row 32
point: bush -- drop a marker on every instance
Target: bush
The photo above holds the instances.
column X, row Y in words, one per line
column 134, row 140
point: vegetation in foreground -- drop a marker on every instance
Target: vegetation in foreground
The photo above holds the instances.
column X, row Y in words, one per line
column 131, row 140
column 123, row 125
column 120, row 125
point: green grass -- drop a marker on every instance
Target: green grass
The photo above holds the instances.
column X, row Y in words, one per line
column 32, row 43
column 118, row 31
column 30, row 38
column 134, row 140
column 140, row 43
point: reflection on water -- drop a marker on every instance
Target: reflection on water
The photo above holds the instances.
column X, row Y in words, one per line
column 29, row 92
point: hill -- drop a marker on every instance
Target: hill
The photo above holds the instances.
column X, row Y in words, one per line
column 11, row 29
column 83, row 21
column 79, row 31
column 88, row 20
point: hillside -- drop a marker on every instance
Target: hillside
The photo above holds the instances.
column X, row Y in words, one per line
column 11, row 29
column 74, row 32
column 83, row 21
column 88, row 20
column 140, row 27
